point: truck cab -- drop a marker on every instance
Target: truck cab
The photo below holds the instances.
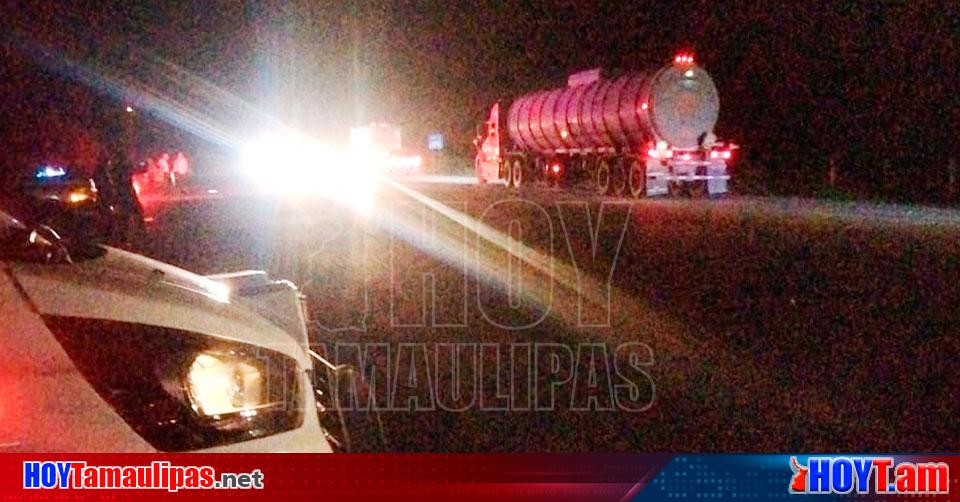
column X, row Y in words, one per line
column 487, row 162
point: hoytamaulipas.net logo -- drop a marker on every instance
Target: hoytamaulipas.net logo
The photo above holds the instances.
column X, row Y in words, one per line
column 868, row 475
column 159, row 475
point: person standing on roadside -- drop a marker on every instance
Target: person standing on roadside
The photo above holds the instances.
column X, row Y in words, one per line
column 121, row 213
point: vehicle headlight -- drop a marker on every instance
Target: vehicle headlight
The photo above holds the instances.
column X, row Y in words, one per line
column 80, row 195
column 185, row 391
column 221, row 385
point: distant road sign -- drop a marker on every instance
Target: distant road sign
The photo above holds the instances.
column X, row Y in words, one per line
column 435, row 142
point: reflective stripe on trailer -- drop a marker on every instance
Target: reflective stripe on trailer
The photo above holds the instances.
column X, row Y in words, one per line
column 690, row 177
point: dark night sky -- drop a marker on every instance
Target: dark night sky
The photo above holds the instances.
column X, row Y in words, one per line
column 873, row 84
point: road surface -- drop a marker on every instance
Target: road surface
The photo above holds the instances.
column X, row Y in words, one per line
column 580, row 323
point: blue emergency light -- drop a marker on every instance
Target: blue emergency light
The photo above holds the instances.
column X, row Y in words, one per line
column 48, row 172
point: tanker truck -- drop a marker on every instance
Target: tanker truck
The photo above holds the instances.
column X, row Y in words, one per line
column 638, row 134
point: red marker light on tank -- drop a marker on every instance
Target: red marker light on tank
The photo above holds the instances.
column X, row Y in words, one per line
column 556, row 168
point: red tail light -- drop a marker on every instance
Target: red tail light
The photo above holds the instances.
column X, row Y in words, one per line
column 660, row 150
column 653, row 153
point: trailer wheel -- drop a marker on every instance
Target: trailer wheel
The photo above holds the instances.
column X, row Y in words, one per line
column 618, row 184
column 637, row 179
column 516, row 174
column 602, row 177
column 698, row 189
column 508, row 172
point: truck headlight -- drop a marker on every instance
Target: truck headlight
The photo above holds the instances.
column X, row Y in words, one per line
column 221, row 385
column 185, row 391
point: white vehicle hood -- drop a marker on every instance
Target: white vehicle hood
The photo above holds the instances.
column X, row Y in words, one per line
column 126, row 287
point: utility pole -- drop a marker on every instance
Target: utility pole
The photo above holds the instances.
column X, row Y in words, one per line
column 832, row 172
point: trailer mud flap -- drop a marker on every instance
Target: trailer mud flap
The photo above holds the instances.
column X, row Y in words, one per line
column 657, row 178
column 717, row 182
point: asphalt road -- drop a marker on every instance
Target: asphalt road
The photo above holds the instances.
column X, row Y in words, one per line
column 653, row 325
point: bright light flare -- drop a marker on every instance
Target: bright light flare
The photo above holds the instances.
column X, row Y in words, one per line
column 295, row 165
column 215, row 290
column 408, row 164
column 361, row 138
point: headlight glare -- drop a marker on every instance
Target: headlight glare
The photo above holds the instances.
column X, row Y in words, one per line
column 220, row 385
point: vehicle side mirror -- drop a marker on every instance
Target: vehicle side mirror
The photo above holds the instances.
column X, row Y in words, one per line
column 346, row 429
column 326, row 383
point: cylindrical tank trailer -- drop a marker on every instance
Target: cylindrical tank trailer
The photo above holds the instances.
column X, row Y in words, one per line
column 649, row 132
